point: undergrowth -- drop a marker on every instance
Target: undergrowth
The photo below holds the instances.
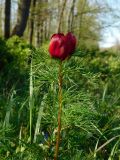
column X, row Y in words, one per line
column 29, row 104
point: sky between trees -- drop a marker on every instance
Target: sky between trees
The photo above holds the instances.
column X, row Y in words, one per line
column 112, row 33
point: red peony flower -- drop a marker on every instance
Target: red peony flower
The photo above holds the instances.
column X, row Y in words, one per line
column 62, row 46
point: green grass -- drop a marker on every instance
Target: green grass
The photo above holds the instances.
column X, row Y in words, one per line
column 91, row 107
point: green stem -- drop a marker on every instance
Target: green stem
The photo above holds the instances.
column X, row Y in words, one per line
column 59, row 112
column 31, row 101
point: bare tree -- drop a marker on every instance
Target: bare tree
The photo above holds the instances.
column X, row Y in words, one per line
column 81, row 17
column 32, row 20
column 23, row 13
column 1, row 18
column 41, row 21
column 61, row 15
column 7, row 18
column 71, row 16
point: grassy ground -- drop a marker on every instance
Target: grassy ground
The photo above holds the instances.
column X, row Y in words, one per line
column 29, row 104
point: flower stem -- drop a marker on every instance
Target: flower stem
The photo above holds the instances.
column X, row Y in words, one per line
column 31, row 100
column 59, row 112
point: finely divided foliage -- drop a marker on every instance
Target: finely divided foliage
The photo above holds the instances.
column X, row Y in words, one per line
column 84, row 85
column 91, row 103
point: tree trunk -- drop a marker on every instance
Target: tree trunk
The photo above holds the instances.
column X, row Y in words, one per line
column 45, row 30
column 81, row 19
column 49, row 27
column 71, row 16
column 41, row 33
column 1, row 22
column 32, row 21
column 23, row 13
column 7, row 18
column 37, row 34
column 61, row 15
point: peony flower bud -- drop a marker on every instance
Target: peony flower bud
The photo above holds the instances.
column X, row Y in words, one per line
column 61, row 46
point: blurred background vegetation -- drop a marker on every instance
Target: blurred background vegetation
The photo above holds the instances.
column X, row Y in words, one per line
column 29, row 82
